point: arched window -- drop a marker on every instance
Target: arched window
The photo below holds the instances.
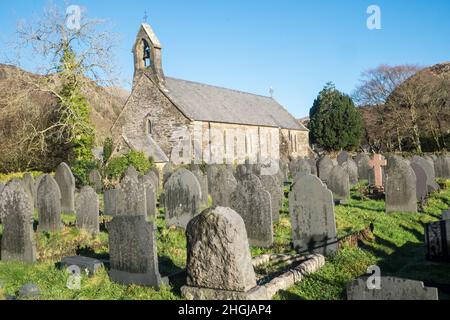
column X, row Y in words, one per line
column 148, row 125
column 147, row 54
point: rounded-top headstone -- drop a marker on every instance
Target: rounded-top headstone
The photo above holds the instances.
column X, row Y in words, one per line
column 324, row 166
column 49, row 204
column 66, row 183
column 87, row 209
column 342, row 157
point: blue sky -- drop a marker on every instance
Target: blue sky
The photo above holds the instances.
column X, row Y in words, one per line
column 293, row 46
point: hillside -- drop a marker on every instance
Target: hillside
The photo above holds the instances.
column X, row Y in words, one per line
column 418, row 110
column 25, row 108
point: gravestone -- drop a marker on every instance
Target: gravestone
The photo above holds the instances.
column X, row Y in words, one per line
column 442, row 166
column 421, row 182
column 132, row 251
column 429, row 171
column 376, row 165
column 311, row 209
column 49, row 204
column 437, row 241
column 96, row 181
column 253, row 203
column 313, row 166
column 342, row 157
column 87, row 209
column 324, row 167
column 446, row 215
column 283, row 171
column 16, row 214
column 222, row 185
column 203, row 180
column 66, row 183
column 2, row 186
column 272, row 185
column 391, row 289
column 109, row 202
column 352, row 170
column 28, row 183
column 167, row 172
column 130, row 196
column 219, row 264
column 400, row 186
column 150, row 194
column 182, row 196
column 303, row 167
column 37, row 181
column 154, row 175
column 339, row 183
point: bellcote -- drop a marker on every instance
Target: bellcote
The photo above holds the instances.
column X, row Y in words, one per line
column 147, row 55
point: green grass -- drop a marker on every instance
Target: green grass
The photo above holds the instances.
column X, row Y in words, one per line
column 398, row 250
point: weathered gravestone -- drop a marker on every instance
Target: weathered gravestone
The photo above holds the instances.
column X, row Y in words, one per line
column 352, row 170
column 109, row 202
column 283, row 170
column 203, row 180
column 342, row 157
column 130, row 196
column 362, row 161
column 150, row 194
column 222, row 184
column 29, row 185
column 132, row 251
column 96, row 181
column 339, row 183
column 421, row 182
column 311, row 209
column 49, row 204
column 324, row 167
column 400, row 186
column 16, row 213
column 253, row 203
column 272, row 185
column 87, row 209
column 219, row 265
column 154, row 175
column 442, row 166
column 66, row 183
column 37, row 181
column 182, row 196
column 429, row 171
column 437, row 240
column 167, row 172
column 303, row 167
column 391, row 289
column 313, row 166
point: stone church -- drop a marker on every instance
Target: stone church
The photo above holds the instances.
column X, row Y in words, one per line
column 223, row 124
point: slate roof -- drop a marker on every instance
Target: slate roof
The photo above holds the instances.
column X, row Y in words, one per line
column 201, row 102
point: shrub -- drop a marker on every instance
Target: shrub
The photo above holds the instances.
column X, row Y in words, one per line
column 117, row 166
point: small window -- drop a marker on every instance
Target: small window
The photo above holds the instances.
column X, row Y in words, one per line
column 149, row 126
column 147, row 54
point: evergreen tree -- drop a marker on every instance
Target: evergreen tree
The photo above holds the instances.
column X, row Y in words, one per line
column 335, row 123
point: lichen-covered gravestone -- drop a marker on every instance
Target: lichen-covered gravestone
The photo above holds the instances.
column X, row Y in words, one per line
column 342, row 157
column 66, row 183
column 109, row 202
column 428, row 167
column 203, row 180
column 442, row 166
column 16, row 213
column 222, row 185
column 182, row 196
column 253, row 203
column 362, row 161
column 400, row 186
column 219, row 265
column 390, row 289
column 339, row 183
column 150, row 194
column 324, row 166
column 132, row 251
column 29, row 185
column 130, row 196
column 49, row 204
column 273, row 186
column 96, row 181
column 352, row 170
column 87, row 209
column 311, row 209
column 421, row 182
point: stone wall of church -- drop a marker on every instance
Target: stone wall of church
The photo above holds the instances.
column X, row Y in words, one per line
column 147, row 102
column 297, row 143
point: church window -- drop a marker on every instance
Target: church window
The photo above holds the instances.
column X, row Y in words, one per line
column 149, row 126
column 147, row 54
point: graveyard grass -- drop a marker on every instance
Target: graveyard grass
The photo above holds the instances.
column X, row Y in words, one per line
column 398, row 249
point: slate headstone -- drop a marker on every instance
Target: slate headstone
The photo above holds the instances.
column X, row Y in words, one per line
column 391, row 289
column 109, row 202
column 311, row 209
column 363, row 166
column 29, row 185
column 273, row 186
column 429, row 171
column 66, row 183
column 49, row 204
column 442, row 166
column 437, row 241
column 342, row 157
column 132, row 251
column 324, row 166
column 339, row 183
column 400, row 186
column 150, row 194
column 87, row 210
column 253, row 203
column 182, row 196
column 96, row 181
column 16, row 213
column 421, row 182
column 203, row 180
column 352, row 170
column 167, row 172
column 130, row 195
column 222, row 185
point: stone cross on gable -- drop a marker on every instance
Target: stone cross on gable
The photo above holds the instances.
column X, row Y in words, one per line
column 377, row 164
